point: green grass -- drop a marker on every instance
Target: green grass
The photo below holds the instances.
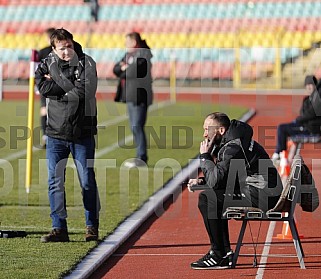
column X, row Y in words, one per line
column 174, row 133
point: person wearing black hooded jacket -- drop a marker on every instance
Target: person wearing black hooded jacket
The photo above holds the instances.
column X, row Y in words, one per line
column 135, row 89
column 308, row 122
column 237, row 172
column 68, row 79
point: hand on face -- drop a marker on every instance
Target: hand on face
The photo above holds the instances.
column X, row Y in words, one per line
column 206, row 145
column 212, row 134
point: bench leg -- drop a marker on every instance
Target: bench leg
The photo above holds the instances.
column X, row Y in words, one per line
column 239, row 243
column 297, row 243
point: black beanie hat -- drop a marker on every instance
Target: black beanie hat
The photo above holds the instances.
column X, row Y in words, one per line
column 310, row 80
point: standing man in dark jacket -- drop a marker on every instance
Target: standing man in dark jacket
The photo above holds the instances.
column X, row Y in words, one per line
column 68, row 79
column 308, row 122
column 237, row 172
column 135, row 89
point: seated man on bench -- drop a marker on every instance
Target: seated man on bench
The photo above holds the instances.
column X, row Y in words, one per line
column 307, row 123
column 237, row 172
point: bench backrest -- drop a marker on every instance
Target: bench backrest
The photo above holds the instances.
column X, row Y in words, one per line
column 291, row 190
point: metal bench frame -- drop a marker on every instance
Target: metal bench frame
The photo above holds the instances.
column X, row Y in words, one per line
column 292, row 195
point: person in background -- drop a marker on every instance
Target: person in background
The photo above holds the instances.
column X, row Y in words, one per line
column 68, row 79
column 42, row 54
column 135, row 89
column 237, row 170
column 308, row 122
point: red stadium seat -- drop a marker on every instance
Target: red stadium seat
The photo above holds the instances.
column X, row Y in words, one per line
column 105, row 70
column 183, row 70
column 161, row 70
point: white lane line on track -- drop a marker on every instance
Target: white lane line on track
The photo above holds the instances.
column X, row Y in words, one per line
column 266, row 250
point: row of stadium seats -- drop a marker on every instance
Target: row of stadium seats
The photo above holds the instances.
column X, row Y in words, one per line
column 303, row 40
column 138, row 2
column 201, row 33
column 163, row 11
column 160, row 70
column 194, row 55
column 188, row 55
column 167, row 26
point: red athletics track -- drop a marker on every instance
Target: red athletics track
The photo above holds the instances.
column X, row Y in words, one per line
column 165, row 246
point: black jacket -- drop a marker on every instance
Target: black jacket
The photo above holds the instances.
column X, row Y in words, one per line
column 44, row 52
column 310, row 114
column 243, row 162
column 71, row 90
column 135, row 83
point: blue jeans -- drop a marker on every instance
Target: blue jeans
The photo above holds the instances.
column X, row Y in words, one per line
column 83, row 152
column 287, row 130
column 137, row 118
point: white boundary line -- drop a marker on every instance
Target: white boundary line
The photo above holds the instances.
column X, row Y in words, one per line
column 106, row 248
column 266, row 250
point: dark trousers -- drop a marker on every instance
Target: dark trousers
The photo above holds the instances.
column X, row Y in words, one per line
column 287, row 130
column 210, row 204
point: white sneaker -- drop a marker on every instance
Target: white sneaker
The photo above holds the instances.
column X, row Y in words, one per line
column 276, row 159
column 135, row 163
column 275, row 156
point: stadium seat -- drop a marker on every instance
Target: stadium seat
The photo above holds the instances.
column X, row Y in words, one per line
column 161, row 70
column 105, row 70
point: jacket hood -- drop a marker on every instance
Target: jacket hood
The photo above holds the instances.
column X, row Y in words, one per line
column 238, row 130
column 78, row 49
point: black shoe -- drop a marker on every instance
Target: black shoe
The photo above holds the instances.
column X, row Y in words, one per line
column 210, row 261
column 91, row 234
column 228, row 259
column 56, row 235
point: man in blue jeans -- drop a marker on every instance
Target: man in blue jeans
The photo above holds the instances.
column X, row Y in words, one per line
column 68, row 79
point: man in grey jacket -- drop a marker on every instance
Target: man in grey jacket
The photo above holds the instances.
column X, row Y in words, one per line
column 68, row 79
column 237, row 172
